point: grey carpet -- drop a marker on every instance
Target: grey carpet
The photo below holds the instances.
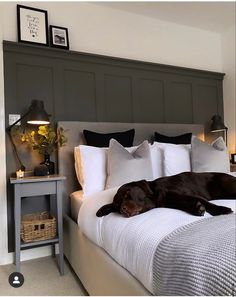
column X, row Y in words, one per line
column 42, row 278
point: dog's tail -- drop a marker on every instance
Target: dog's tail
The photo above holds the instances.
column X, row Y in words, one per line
column 214, row 209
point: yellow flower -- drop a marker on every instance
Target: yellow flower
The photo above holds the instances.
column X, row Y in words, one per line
column 42, row 127
column 45, row 139
column 43, row 131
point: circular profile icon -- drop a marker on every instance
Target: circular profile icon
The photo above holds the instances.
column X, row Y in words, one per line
column 16, row 279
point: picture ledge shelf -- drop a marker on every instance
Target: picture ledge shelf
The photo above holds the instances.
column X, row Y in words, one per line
column 11, row 46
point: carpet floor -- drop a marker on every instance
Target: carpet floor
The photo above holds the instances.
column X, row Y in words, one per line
column 42, row 278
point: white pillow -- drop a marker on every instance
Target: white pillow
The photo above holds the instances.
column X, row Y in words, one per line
column 175, row 158
column 91, row 164
column 90, row 167
column 157, row 160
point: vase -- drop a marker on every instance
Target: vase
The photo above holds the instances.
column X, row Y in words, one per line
column 50, row 165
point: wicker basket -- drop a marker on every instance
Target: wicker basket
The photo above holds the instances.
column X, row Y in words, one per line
column 38, row 226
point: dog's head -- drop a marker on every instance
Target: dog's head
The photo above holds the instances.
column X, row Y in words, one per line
column 131, row 199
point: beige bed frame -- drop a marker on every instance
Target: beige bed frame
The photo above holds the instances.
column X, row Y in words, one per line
column 98, row 272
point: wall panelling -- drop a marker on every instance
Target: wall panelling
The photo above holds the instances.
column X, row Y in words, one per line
column 87, row 87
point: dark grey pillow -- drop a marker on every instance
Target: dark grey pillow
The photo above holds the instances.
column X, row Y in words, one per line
column 179, row 139
column 125, row 138
column 124, row 167
column 209, row 157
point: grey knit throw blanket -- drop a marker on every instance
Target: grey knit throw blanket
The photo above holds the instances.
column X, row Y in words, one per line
column 197, row 259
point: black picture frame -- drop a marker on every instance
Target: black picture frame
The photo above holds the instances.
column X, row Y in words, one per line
column 233, row 158
column 32, row 24
column 59, row 41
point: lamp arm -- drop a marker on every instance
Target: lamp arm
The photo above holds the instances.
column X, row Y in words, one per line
column 22, row 167
column 8, row 130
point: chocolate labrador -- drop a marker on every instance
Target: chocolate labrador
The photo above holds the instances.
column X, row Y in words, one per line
column 187, row 191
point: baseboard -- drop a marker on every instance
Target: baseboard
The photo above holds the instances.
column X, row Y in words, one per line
column 28, row 255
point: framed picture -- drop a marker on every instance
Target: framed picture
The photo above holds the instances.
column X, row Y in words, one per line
column 59, row 37
column 233, row 158
column 32, row 25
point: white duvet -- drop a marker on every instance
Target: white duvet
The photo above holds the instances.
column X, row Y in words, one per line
column 133, row 241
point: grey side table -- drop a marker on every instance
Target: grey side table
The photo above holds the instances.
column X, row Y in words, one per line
column 35, row 186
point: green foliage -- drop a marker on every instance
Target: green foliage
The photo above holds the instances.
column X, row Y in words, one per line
column 45, row 140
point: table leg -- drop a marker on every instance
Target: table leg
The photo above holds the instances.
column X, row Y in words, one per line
column 60, row 227
column 17, row 215
column 52, row 211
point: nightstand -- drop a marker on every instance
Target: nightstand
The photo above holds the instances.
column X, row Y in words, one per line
column 31, row 187
column 232, row 167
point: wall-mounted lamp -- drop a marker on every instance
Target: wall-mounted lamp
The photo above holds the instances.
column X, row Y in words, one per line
column 218, row 125
column 36, row 116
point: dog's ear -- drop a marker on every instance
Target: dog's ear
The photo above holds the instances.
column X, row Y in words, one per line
column 105, row 210
column 144, row 185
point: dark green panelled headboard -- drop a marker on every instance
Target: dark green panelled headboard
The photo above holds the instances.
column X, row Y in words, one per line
column 86, row 87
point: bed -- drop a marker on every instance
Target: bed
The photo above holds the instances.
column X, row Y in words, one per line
column 99, row 272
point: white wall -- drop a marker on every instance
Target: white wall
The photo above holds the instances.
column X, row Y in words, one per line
column 3, row 209
column 103, row 30
column 229, row 65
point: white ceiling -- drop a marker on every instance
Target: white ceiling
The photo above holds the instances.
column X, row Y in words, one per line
column 212, row 16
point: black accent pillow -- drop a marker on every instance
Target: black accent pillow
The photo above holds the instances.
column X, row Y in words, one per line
column 180, row 139
column 125, row 138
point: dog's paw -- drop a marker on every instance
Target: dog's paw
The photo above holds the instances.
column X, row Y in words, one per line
column 200, row 209
column 221, row 210
column 105, row 210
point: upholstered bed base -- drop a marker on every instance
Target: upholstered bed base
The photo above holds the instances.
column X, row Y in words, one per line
column 98, row 272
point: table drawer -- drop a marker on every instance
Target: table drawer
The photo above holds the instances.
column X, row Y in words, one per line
column 33, row 189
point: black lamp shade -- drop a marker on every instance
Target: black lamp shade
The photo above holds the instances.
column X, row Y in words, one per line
column 37, row 114
column 217, row 124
